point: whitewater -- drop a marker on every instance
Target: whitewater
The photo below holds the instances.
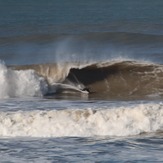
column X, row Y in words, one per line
column 85, row 122
column 20, row 83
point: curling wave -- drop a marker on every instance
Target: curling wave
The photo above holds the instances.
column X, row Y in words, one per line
column 109, row 80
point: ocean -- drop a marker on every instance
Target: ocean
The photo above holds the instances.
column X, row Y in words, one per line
column 81, row 81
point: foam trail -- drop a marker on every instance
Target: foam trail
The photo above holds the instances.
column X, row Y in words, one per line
column 113, row 121
column 20, row 83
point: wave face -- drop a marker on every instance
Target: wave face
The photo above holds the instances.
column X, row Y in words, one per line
column 122, row 79
column 114, row 121
column 109, row 80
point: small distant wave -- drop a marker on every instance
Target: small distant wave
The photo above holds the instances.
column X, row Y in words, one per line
column 103, row 80
column 103, row 37
column 114, row 121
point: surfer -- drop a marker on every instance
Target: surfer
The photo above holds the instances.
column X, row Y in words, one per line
column 86, row 89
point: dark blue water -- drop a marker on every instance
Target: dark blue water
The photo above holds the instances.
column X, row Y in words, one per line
column 80, row 30
column 48, row 31
column 84, row 150
column 64, row 13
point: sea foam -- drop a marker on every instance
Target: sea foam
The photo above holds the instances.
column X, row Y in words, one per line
column 20, row 83
column 88, row 122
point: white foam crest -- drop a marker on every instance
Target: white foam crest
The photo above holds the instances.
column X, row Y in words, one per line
column 20, row 83
column 120, row 121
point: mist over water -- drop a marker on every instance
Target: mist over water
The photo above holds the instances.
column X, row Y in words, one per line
column 84, row 47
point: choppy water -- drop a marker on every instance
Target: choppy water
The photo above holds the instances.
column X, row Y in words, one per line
column 81, row 81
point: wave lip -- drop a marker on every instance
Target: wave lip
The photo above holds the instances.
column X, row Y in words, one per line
column 120, row 121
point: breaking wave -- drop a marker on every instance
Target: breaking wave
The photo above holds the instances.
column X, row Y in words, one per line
column 21, row 83
column 104, row 80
